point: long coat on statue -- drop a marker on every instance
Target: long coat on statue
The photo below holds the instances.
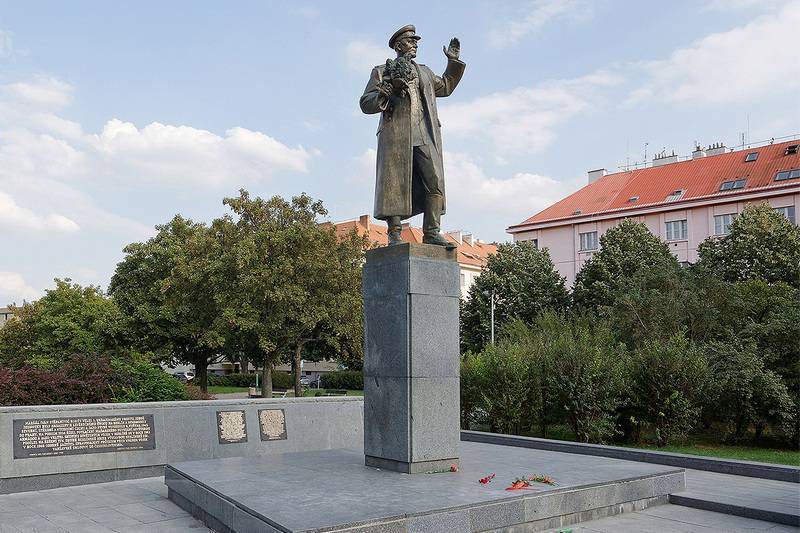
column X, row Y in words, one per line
column 397, row 191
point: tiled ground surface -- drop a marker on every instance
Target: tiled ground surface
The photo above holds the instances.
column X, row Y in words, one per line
column 137, row 506
column 777, row 496
column 141, row 506
column 675, row 519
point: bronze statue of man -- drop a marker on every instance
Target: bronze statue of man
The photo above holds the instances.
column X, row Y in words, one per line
column 410, row 173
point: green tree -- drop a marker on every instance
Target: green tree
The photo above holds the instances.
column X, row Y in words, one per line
column 762, row 244
column 586, row 374
column 68, row 319
column 285, row 281
column 668, row 382
column 744, row 392
column 524, row 283
column 625, row 250
column 164, row 287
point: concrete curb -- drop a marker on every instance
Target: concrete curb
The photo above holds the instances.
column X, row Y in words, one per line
column 722, row 466
column 737, row 510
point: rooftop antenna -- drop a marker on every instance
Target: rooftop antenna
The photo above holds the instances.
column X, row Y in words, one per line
column 645, row 153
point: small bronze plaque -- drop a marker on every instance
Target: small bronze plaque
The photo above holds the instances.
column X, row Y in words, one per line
column 45, row 437
column 231, row 427
column 272, row 423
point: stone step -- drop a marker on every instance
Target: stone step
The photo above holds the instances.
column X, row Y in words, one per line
column 744, row 507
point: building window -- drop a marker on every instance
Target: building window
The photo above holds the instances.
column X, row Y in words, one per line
column 733, row 184
column 752, row 156
column 463, row 281
column 791, row 149
column 787, row 174
column 675, row 195
column 677, row 230
column 536, row 243
column 588, row 241
column 722, row 223
column 788, row 212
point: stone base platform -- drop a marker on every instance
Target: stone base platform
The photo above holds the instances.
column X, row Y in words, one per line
column 332, row 491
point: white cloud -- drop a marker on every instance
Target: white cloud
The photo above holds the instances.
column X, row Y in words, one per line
column 47, row 92
column 17, row 217
column 362, row 56
column 514, row 197
column 745, row 63
column 524, row 119
column 13, row 288
column 537, row 15
column 739, row 5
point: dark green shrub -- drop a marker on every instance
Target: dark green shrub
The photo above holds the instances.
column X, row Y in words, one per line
column 282, row 380
column 343, row 379
column 233, row 380
column 668, row 382
column 147, row 383
column 745, row 393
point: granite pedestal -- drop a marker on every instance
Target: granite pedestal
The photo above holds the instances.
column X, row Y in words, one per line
column 411, row 358
column 332, row 490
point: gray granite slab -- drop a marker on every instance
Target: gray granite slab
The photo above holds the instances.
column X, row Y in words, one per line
column 333, row 490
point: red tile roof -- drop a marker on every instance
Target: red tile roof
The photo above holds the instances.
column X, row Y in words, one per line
column 699, row 178
column 474, row 254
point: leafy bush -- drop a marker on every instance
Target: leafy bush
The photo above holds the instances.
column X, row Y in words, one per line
column 82, row 379
column 668, row 382
column 343, row 379
column 282, row 381
column 234, row 380
column 586, row 374
column 146, row 383
column 195, row 393
column 745, row 393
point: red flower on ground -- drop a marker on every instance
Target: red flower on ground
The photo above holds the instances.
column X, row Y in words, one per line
column 486, row 480
column 454, row 467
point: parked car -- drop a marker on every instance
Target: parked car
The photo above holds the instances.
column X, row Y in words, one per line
column 189, row 375
column 181, row 376
column 305, row 381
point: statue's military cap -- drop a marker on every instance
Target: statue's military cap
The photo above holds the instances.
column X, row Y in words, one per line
column 405, row 31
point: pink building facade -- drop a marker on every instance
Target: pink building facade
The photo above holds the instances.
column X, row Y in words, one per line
column 683, row 202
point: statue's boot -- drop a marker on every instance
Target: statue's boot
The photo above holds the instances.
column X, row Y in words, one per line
column 430, row 222
column 395, row 227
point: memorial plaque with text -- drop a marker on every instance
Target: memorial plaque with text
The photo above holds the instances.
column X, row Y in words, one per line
column 272, row 423
column 231, row 427
column 46, row 437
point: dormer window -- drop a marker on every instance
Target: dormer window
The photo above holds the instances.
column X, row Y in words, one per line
column 791, row 149
column 633, row 199
column 752, row 156
column 787, row 174
column 675, row 195
column 733, row 184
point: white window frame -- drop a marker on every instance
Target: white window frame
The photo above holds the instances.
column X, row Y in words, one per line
column 722, row 224
column 677, row 230
column 588, row 244
column 787, row 211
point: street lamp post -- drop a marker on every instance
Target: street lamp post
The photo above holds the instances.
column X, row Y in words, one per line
column 492, row 297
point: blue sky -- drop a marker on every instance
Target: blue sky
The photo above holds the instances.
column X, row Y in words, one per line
column 115, row 116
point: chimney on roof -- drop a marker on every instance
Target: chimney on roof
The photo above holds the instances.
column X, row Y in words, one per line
column 467, row 237
column 457, row 235
column 363, row 220
column 698, row 152
column 716, row 149
column 664, row 159
column 595, row 175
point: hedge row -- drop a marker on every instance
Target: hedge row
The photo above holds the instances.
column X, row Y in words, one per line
column 343, row 379
column 280, row 380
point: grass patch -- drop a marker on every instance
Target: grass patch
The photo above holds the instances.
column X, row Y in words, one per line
column 313, row 392
column 704, row 444
column 729, row 451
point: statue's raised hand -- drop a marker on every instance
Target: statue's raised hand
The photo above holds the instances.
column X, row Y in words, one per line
column 453, row 49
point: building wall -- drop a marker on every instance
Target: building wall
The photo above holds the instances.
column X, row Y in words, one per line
column 563, row 242
column 5, row 314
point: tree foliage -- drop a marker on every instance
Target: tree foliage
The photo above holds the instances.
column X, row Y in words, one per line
column 165, row 289
column 625, row 250
column 762, row 245
column 68, row 319
column 524, row 282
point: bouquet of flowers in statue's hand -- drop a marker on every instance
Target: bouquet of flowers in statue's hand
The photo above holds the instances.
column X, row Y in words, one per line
column 399, row 73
